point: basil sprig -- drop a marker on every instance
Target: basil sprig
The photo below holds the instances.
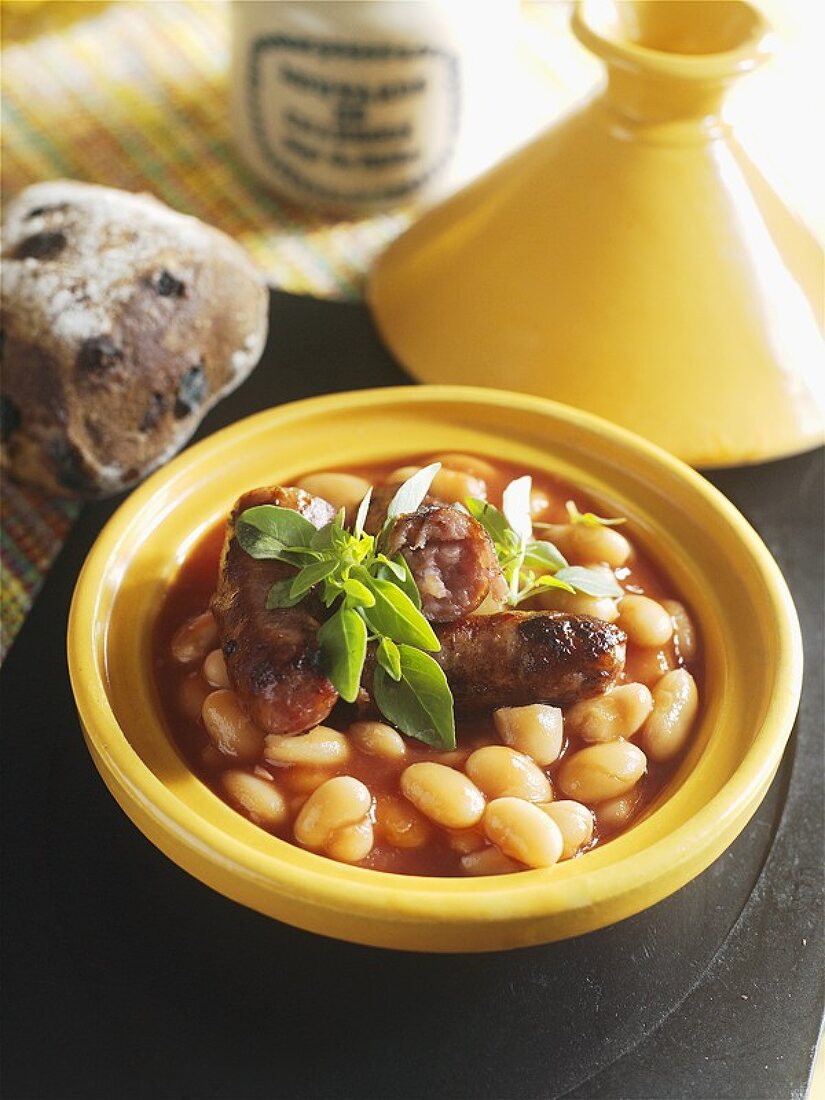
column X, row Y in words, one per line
column 530, row 566
column 590, row 519
column 375, row 599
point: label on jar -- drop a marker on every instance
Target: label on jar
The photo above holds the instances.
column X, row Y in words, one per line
column 353, row 122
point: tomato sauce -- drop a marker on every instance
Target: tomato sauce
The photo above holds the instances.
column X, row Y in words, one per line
column 182, row 689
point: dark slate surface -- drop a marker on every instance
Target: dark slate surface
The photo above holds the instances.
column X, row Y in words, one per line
column 126, row 978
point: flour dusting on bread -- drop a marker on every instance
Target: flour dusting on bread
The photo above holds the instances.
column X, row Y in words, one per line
column 124, row 322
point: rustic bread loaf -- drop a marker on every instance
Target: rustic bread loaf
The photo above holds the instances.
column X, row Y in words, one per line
column 123, row 323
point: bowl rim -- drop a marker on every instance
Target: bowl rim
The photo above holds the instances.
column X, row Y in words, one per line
column 325, row 883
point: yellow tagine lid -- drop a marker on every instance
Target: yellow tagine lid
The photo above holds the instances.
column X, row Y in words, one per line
column 632, row 261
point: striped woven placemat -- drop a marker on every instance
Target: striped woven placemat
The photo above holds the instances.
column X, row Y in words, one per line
column 134, row 95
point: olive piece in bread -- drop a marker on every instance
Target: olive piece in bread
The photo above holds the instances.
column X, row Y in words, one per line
column 124, row 322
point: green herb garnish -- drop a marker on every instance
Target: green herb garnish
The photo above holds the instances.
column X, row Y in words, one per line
column 529, row 566
column 589, row 519
column 375, row 599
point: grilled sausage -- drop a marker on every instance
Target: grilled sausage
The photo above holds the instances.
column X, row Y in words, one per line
column 514, row 658
column 272, row 657
column 518, row 657
column 504, row 659
column 451, row 558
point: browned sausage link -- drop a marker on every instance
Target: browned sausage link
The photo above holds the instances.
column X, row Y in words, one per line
column 518, row 657
column 271, row 656
column 452, row 559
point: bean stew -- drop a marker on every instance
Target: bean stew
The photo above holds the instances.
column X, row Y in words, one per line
column 567, row 725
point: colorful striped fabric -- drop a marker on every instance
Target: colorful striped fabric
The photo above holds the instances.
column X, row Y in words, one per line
column 134, row 95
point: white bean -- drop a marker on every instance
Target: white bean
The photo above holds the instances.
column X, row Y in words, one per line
column 499, row 771
column 468, row 464
column 683, row 629
column 192, row 693
column 648, row 665
column 214, row 670
column 581, row 544
column 453, row 485
column 466, row 840
column 192, row 641
column 675, row 702
column 443, row 795
column 229, row 729
column 447, row 485
column 536, row 730
column 523, row 832
column 602, row 771
column 340, row 490
column 575, row 823
column 616, row 812
column 261, row 799
column 489, row 861
column 540, row 503
column 400, row 823
column 577, row 603
column 617, row 713
column 378, row 739
column 341, row 801
column 645, row 621
column 352, row 842
column 321, row 747
column 403, row 473
column 304, row 780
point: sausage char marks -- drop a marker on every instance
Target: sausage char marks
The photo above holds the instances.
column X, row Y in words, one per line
column 517, row 657
column 272, row 657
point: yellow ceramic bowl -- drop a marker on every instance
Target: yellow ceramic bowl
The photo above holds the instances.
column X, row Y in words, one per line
column 745, row 614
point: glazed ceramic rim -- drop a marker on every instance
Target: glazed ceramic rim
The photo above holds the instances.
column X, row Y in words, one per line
column 752, row 51
column 592, row 898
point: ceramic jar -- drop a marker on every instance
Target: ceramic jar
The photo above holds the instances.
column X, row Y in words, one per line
column 361, row 105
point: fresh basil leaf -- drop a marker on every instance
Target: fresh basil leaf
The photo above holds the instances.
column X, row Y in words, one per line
column 548, row 581
column 328, row 537
column 393, row 569
column 515, row 504
column 491, row 519
column 395, row 616
column 409, row 495
column 398, row 572
column 389, row 658
column 264, row 547
column 590, row 519
column 361, row 514
column 358, row 592
column 420, row 704
column 343, row 642
column 310, row 575
column 544, row 555
column 279, row 595
column 361, row 548
column 589, row 581
column 284, row 525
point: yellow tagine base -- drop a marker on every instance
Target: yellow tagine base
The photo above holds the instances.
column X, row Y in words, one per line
column 735, row 590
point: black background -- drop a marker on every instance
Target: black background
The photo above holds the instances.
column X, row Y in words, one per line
column 126, row 978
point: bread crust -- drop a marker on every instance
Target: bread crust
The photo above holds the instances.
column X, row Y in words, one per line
column 123, row 323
